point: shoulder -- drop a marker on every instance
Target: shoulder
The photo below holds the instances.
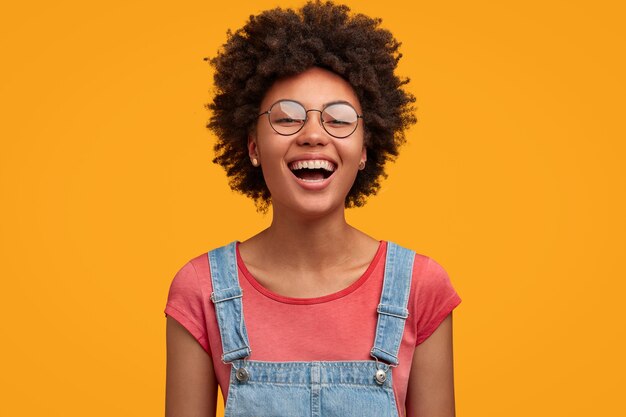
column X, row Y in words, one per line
column 190, row 288
column 425, row 269
column 429, row 274
column 192, row 275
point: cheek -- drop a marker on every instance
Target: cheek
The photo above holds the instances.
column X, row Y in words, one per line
column 272, row 160
column 352, row 151
column 271, row 151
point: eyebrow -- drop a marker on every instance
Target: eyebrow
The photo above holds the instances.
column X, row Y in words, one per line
column 338, row 102
column 330, row 103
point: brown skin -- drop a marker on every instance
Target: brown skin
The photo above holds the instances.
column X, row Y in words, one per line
column 309, row 243
column 431, row 383
column 190, row 387
column 314, row 88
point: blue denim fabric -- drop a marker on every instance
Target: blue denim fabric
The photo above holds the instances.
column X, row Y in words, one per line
column 311, row 389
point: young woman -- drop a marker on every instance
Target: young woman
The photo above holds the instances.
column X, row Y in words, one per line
column 310, row 317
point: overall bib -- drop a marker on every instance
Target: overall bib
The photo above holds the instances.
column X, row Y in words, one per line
column 319, row 388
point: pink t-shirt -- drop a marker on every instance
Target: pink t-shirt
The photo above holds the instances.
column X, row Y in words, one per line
column 335, row 327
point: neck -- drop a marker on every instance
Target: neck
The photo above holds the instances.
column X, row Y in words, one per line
column 306, row 242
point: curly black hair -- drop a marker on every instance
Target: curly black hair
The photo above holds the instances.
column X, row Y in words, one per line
column 282, row 42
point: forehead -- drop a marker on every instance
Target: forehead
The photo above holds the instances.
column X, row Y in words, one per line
column 313, row 88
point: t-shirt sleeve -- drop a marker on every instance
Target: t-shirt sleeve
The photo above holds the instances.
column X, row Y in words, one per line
column 435, row 300
column 185, row 304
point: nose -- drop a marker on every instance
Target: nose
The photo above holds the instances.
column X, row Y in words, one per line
column 312, row 133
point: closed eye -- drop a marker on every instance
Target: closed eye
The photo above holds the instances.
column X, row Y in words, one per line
column 336, row 122
column 287, row 120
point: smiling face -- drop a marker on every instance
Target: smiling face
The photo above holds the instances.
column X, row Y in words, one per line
column 309, row 172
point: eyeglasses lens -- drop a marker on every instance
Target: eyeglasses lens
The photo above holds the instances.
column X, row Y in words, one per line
column 287, row 117
column 339, row 120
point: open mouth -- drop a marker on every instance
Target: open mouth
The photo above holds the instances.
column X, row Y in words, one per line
column 312, row 171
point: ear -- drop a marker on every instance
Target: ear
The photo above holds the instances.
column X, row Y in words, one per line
column 364, row 154
column 253, row 149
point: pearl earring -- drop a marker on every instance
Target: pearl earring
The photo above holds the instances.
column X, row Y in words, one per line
column 361, row 165
column 255, row 162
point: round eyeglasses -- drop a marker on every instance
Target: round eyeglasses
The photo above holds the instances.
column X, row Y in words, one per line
column 287, row 117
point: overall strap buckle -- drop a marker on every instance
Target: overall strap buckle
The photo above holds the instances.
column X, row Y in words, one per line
column 392, row 309
column 227, row 299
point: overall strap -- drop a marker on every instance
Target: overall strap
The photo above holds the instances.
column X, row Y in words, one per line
column 392, row 310
column 226, row 297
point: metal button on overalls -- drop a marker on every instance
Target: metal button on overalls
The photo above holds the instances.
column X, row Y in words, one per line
column 242, row 375
column 380, row 377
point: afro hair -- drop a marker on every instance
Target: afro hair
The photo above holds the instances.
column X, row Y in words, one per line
column 282, row 42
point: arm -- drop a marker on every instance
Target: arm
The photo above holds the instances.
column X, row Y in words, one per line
column 431, row 382
column 191, row 387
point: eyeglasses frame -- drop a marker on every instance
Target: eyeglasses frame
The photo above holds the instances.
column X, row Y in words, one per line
column 306, row 113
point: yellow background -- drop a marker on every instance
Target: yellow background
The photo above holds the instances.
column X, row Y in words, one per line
column 513, row 180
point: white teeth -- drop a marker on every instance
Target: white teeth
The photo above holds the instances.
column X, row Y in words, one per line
column 313, row 164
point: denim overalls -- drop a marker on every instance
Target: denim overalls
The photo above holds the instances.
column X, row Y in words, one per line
column 311, row 389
